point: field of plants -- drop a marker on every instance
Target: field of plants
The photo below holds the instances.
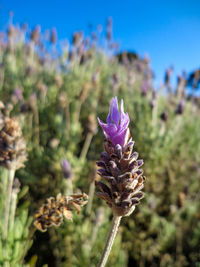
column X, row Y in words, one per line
column 51, row 94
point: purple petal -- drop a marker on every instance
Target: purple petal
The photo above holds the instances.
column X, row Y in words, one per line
column 113, row 130
column 115, row 111
column 119, row 138
column 65, row 164
column 124, row 122
column 109, row 129
column 140, row 162
column 122, row 110
column 109, row 118
column 66, row 168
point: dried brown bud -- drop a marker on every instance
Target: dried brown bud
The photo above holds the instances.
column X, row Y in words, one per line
column 53, row 37
column 35, row 34
column 12, row 145
column 181, row 199
column 77, row 38
column 52, row 213
column 11, row 31
column 62, row 99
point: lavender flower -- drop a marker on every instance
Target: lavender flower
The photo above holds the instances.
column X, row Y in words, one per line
column 66, row 168
column 144, row 88
column 119, row 167
column 116, row 128
column 18, row 93
column 17, row 96
column 180, row 108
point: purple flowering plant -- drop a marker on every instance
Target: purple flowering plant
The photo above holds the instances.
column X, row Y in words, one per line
column 119, row 170
column 66, row 169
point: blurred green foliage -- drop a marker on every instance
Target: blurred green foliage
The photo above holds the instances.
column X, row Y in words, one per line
column 54, row 89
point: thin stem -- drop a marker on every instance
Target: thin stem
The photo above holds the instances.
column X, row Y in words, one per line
column 98, row 223
column 7, row 203
column 28, row 126
column 89, row 243
column 86, row 145
column 91, row 196
column 154, row 115
column 13, row 208
column 111, row 237
column 2, row 77
column 69, row 186
column 78, row 111
column 36, row 126
column 67, row 118
column 179, row 92
column 5, row 182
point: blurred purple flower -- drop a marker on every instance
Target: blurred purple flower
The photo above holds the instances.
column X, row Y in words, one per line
column 66, row 169
column 95, row 77
column 153, row 100
column 139, row 66
column 18, row 93
column 180, row 108
column 144, row 88
column 116, row 128
column 168, row 75
column 164, row 116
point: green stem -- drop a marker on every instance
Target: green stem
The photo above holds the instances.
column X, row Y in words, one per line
column 69, row 186
column 154, row 115
column 36, row 126
column 13, row 208
column 111, row 237
column 91, row 196
column 67, row 118
column 78, row 111
column 7, row 203
column 86, row 145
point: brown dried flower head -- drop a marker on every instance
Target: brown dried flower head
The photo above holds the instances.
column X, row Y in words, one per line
column 52, row 213
column 12, row 144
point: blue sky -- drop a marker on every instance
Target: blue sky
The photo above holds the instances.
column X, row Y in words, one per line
column 169, row 31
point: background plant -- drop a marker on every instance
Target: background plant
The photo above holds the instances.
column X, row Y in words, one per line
column 54, row 88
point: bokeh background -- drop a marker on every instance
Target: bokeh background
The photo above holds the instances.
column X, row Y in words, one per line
column 61, row 62
column 167, row 31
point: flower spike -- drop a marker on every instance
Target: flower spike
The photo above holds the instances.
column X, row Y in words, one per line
column 119, row 166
